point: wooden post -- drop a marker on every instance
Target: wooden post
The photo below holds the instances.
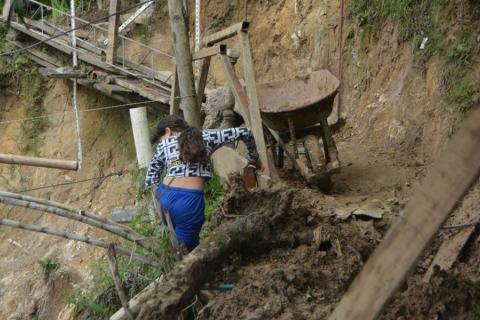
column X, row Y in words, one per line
column 113, row 22
column 174, row 100
column 38, row 162
column 445, row 184
column 236, row 87
column 183, row 55
column 202, row 79
column 254, row 108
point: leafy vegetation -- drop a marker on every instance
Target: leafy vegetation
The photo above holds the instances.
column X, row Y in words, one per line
column 48, row 266
column 424, row 22
column 32, row 92
column 461, row 96
column 3, row 33
column 102, row 301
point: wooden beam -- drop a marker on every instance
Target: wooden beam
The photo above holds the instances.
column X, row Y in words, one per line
column 112, row 89
column 51, row 30
column 113, row 22
column 147, row 92
column 159, row 75
column 62, row 73
column 202, row 79
column 174, row 99
column 65, row 48
column 432, row 202
column 38, row 162
column 183, row 56
column 225, row 33
column 209, row 52
column 236, row 87
column 254, row 106
column 453, row 243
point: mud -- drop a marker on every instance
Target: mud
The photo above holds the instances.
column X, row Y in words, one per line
column 313, row 258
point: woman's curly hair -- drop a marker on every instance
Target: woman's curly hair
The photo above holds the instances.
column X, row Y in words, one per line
column 190, row 141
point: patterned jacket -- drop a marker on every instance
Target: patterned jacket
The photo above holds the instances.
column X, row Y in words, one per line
column 168, row 157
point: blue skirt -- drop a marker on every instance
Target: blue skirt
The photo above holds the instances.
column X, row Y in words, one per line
column 187, row 211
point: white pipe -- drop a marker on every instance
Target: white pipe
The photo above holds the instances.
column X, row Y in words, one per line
column 74, row 97
column 138, row 117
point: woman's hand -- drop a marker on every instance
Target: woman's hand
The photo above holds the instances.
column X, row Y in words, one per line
column 257, row 164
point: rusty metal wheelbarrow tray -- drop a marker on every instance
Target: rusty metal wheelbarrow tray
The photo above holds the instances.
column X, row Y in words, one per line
column 305, row 100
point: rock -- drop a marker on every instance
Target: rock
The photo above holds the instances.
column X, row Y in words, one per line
column 122, row 215
column 373, row 209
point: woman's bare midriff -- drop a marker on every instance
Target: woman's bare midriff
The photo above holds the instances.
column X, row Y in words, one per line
column 185, row 182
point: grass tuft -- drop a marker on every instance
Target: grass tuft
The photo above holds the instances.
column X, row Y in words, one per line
column 48, row 266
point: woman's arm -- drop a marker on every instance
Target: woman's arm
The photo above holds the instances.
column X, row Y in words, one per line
column 218, row 138
column 155, row 169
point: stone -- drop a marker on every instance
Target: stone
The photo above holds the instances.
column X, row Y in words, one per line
column 125, row 214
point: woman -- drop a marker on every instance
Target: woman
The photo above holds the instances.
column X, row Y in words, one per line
column 184, row 153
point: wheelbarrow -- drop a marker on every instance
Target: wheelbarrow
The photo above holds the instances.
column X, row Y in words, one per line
column 295, row 112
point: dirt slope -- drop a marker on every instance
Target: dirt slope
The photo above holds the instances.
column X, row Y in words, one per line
column 395, row 126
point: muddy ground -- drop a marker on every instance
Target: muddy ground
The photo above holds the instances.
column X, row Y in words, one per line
column 305, row 275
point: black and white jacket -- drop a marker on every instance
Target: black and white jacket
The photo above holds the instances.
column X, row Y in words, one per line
column 168, row 154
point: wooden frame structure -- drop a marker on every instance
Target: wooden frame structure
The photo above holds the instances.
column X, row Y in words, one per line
column 246, row 98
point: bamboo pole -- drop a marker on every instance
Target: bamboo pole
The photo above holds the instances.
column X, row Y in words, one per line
column 76, row 237
column 124, row 233
column 63, row 207
column 38, row 162
column 183, row 55
column 112, row 259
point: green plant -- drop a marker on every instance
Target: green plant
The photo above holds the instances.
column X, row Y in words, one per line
column 463, row 49
column 32, row 93
column 214, row 194
column 58, row 6
column 138, row 179
column 460, row 96
column 48, row 266
column 3, row 34
column 82, row 302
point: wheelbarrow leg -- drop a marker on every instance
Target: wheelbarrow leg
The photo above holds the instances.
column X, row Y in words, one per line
column 331, row 153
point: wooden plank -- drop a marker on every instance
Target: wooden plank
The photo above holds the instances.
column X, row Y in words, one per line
column 57, row 44
column 112, row 89
column 52, row 31
column 174, row 99
column 62, row 73
column 122, row 98
column 113, row 22
column 38, row 162
column 147, row 92
column 254, row 107
column 209, row 52
column 453, row 244
column 445, row 184
column 236, row 87
column 159, row 75
column 225, row 34
column 202, row 79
